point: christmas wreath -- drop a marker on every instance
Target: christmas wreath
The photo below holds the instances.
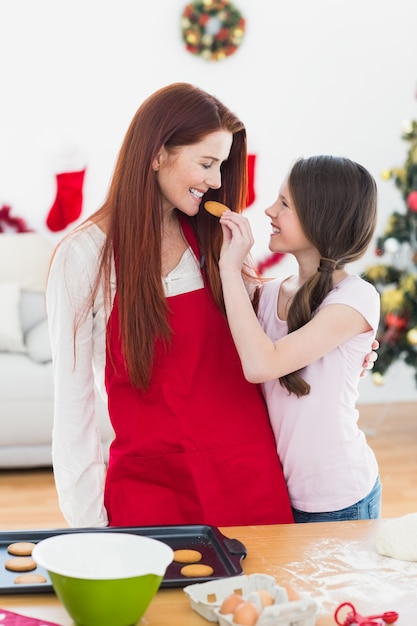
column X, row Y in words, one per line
column 212, row 29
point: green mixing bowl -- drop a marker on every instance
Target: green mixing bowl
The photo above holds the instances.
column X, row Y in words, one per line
column 104, row 578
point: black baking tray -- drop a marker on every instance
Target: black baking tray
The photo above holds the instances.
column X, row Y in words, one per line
column 223, row 554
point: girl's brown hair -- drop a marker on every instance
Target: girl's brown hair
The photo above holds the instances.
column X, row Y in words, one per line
column 177, row 115
column 336, row 203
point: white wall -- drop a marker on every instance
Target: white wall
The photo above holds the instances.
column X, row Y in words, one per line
column 331, row 76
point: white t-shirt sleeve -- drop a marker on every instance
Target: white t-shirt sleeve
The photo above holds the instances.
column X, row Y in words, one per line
column 79, row 468
column 359, row 294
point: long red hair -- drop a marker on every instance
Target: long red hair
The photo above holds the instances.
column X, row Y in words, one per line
column 179, row 114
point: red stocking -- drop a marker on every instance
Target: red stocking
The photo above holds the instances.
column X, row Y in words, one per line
column 250, row 196
column 67, row 206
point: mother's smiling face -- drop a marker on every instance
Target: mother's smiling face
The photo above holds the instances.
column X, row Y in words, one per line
column 186, row 173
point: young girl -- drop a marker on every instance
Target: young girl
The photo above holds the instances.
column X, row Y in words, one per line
column 313, row 331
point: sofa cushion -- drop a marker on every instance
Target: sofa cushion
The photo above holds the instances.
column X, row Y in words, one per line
column 37, row 342
column 32, row 308
column 24, row 259
column 11, row 334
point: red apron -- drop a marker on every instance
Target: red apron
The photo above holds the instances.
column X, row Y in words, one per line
column 196, row 447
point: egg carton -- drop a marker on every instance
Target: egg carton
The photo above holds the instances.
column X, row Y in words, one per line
column 294, row 613
column 206, row 599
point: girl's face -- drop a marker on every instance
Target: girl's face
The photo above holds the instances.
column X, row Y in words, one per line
column 186, row 174
column 287, row 234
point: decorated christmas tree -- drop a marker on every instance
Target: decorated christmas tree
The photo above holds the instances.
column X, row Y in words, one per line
column 396, row 278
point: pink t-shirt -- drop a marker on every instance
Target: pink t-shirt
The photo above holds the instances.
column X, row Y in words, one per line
column 327, row 462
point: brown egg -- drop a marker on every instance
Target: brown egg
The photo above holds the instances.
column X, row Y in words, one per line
column 266, row 597
column 230, row 603
column 246, row 614
column 261, row 598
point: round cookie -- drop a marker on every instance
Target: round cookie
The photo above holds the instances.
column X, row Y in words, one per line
column 30, row 579
column 21, row 548
column 196, row 570
column 187, row 556
column 215, row 208
column 20, row 564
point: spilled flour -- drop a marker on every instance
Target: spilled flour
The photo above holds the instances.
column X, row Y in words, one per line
column 343, row 571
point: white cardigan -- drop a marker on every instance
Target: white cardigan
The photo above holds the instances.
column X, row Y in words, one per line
column 79, row 468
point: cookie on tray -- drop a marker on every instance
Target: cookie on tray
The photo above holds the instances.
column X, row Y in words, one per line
column 187, row 556
column 30, row 579
column 21, row 548
column 197, row 570
column 21, row 564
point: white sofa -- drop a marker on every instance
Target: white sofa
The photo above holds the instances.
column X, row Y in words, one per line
column 26, row 379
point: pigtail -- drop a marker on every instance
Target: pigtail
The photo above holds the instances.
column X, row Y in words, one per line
column 306, row 301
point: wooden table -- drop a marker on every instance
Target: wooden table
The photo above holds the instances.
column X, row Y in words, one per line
column 331, row 562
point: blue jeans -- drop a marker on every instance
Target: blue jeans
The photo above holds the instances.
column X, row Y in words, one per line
column 368, row 508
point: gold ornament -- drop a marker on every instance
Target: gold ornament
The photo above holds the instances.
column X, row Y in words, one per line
column 412, row 337
column 377, row 273
column 392, row 300
column 401, row 174
column 378, row 379
column 409, row 284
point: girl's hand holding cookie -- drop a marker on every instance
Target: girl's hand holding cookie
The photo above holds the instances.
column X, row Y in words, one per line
column 237, row 240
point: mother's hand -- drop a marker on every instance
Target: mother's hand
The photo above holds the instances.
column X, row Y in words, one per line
column 369, row 360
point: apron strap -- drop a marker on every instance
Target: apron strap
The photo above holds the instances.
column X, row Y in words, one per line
column 191, row 238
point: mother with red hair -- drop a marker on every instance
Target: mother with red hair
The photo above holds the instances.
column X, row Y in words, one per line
column 135, row 306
